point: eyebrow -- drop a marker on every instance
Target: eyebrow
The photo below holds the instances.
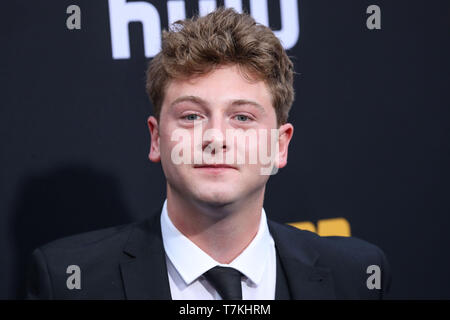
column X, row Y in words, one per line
column 250, row 102
column 200, row 101
column 193, row 99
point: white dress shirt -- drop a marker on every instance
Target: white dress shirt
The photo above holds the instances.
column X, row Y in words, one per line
column 186, row 263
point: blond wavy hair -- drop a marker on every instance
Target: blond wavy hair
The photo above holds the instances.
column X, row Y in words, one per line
column 198, row 45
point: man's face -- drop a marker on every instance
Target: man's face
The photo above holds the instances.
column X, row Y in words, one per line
column 197, row 116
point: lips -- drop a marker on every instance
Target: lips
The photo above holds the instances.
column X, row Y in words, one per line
column 215, row 166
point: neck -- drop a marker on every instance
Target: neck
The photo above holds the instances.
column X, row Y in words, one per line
column 223, row 232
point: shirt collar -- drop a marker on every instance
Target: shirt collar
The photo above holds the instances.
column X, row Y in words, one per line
column 191, row 262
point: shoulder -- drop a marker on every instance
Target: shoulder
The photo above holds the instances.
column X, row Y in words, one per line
column 96, row 254
column 331, row 246
column 350, row 260
column 102, row 240
column 94, row 251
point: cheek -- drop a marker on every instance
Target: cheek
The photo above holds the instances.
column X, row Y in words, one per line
column 251, row 150
column 167, row 144
column 255, row 148
column 262, row 146
column 177, row 147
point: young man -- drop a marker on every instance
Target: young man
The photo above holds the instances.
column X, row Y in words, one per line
column 222, row 87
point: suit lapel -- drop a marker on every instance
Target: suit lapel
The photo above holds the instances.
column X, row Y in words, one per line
column 305, row 280
column 143, row 268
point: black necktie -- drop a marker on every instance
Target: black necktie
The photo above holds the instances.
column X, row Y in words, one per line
column 227, row 282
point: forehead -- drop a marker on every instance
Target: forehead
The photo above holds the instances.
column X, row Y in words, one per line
column 220, row 86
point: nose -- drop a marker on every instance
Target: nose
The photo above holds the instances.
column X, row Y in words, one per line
column 214, row 135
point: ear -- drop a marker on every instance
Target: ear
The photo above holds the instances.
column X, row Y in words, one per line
column 285, row 133
column 155, row 154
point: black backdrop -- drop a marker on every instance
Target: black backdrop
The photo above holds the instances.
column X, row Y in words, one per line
column 371, row 141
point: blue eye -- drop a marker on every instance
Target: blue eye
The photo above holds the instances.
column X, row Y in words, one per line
column 191, row 117
column 242, row 117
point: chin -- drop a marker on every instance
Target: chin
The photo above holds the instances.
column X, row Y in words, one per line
column 215, row 198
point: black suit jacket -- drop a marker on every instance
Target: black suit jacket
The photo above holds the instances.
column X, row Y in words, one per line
column 128, row 262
